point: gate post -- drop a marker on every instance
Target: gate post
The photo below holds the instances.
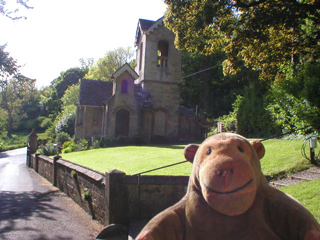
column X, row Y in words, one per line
column 116, row 200
column 32, row 145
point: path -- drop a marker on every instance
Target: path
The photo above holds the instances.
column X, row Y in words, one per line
column 31, row 208
column 299, row 177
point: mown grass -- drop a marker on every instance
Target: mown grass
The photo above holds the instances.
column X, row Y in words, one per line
column 133, row 159
column 282, row 157
column 308, row 194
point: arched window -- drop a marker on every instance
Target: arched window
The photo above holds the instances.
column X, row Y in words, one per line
column 124, row 86
column 162, row 52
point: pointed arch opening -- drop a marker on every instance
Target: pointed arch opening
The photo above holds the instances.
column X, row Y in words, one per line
column 162, row 52
column 122, row 123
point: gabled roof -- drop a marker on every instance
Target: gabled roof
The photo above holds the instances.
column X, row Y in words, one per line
column 122, row 69
column 146, row 26
column 95, row 92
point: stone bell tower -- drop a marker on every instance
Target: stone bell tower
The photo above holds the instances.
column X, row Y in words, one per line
column 159, row 69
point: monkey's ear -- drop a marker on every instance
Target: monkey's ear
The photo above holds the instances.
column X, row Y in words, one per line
column 258, row 146
column 190, row 151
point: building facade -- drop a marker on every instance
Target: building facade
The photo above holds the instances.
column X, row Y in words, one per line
column 141, row 102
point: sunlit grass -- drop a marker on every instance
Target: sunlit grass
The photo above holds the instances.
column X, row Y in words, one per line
column 133, row 159
column 282, row 157
column 308, row 194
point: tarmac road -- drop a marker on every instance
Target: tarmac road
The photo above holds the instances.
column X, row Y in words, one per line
column 32, row 209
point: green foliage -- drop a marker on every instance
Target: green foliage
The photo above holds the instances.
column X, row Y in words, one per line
column 3, row 119
column 261, row 35
column 67, row 79
column 1, row 145
column 73, row 174
column 111, row 62
column 19, row 99
column 62, row 137
column 69, row 146
column 252, row 117
column 86, row 194
column 45, row 122
column 207, row 91
column 51, row 105
column 17, row 140
column 71, row 96
column 289, row 112
column 304, row 84
column 49, row 149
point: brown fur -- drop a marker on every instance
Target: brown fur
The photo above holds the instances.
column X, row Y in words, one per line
column 229, row 198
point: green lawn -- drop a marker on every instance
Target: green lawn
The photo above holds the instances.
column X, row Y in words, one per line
column 282, row 156
column 133, row 159
column 308, row 194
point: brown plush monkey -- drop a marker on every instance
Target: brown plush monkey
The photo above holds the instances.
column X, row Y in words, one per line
column 228, row 197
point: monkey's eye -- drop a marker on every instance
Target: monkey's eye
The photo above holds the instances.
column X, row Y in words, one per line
column 209, row 151
column 240, row 149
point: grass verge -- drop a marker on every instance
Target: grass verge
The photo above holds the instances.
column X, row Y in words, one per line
column 308, row 194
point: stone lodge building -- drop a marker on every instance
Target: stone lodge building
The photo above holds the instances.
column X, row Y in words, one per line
column 141, row 102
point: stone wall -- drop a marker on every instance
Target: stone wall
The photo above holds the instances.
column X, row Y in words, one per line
column 113, row 197
column 154, row 194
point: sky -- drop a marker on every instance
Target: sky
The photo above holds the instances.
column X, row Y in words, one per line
column 57, row 33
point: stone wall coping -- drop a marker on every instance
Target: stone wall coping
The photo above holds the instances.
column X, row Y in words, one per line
column 96, row 175
column 157, row 180
column 44, row 157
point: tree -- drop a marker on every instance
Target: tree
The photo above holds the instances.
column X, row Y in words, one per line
column 68, row 78
column 15, row 94
column 260, row 34
column 112, row 61
column 50, row 104
column 8, row 68
column 71, row 98
column 12, row 13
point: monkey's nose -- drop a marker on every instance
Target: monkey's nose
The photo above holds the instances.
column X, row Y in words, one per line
column 225, row 173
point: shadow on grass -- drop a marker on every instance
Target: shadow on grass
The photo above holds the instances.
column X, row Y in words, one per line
column 167, row 146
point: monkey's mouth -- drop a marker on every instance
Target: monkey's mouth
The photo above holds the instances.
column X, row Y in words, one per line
column 229, row 192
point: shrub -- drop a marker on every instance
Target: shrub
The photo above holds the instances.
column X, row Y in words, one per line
column 69, row 146
column 62, row 137
column 290, row 112
column 159, row 139
column 95, row 144
column 45, row 122
column 1, row 145
column 49, row 150
column 82, row 144
column 138, row 140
